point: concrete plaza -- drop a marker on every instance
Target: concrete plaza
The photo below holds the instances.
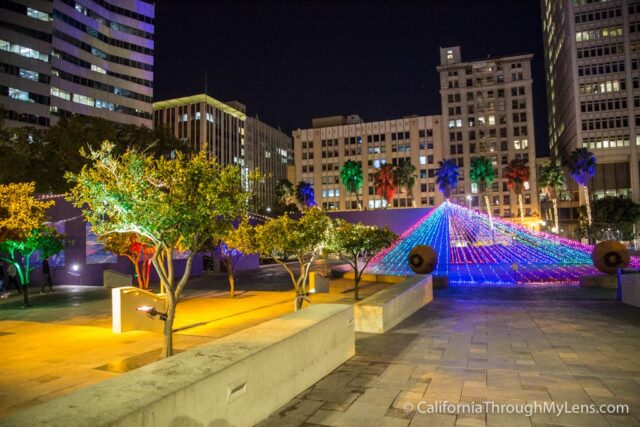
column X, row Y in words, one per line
column 473, row 344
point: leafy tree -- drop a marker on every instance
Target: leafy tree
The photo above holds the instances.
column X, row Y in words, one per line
column 384, row 182
column 178, row 204
column 552, row 182
column 136, row 249
column 351, row 176
column 356, row 244
column 305, row 195
column 612, row 216
column 283, row 237
column 517, row 173
column 447, row 176
column 231, row 248
column 406, row 176
column 285, row 192
column 45, row 240
column 483, row 174
column 582, row 167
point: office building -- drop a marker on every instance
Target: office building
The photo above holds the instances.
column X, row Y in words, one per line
column 487, row 111
column 88, row 57
column 320, row 152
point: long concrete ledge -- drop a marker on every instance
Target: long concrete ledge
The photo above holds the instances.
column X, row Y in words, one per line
column 630, row 287
column 385, row 309
column 236, row 381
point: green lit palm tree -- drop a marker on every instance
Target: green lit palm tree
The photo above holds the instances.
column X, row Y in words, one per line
column 552, row 182
column 447, row 176
column 406, row 176
column 351, row 176
column 483, row 174
column 517, row 173
column 582, row 167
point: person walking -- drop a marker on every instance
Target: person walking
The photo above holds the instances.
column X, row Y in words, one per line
column 12, row 278
column 46, row 272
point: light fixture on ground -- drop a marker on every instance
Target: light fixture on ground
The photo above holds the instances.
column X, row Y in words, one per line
column 152, row 312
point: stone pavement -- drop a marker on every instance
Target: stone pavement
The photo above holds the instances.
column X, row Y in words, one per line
column 475, row 344
column 64, row 342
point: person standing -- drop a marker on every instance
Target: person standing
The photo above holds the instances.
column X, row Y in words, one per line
column 46, row 272
column 12, row 275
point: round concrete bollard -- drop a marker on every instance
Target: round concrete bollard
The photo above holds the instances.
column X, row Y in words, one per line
column 609, row 256
column 423, row 259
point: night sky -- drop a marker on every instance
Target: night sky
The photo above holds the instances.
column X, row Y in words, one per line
column 292, row 61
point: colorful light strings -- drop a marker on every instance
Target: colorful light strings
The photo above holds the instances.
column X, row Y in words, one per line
column 469, row 251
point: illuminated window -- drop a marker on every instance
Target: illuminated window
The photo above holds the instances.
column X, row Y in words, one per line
column 60, row 93
column 29, row 75
column 98, row 69
column 20, row 95
column 43, row 16
column 84, row 100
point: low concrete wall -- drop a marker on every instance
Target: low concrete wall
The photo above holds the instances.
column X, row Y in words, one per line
column 385, row 309
column 318, row 283
column 114, row 279
column 631, row 289
column 124, row 314
column 608, row 281
column 237, row 380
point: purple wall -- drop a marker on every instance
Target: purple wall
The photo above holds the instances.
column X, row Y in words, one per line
column 75, row 253
column 398, row 220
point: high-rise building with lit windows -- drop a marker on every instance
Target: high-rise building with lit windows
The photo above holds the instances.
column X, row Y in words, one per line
column 487, row 111
column 87, row 57
column 592, row 59
column 322, row 150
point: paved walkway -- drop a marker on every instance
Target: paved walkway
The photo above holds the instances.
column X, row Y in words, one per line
column 476, row 344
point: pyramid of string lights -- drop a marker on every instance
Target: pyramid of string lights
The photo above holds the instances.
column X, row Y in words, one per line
column 471, row 250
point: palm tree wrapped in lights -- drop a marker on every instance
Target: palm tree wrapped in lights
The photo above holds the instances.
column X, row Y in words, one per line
column 384, row 182
column 582, row 167
column 552, row 181
column 406, row 176
column 305, row 195
column 351, row 176
column 447, row 176
column 517, row 174
column 483, row 175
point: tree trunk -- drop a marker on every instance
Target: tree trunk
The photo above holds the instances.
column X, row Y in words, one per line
column 521, row 203
column 356, row 278
column 556, row 221
column 25, row 295
column 587, row 203
column 232, row 285
column 167, row 349
column 358, row 201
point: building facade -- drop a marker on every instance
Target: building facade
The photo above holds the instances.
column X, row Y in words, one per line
column 592, row 59
column 321, row 150
column 487, row 111
column 225, row 132
column 88, row 57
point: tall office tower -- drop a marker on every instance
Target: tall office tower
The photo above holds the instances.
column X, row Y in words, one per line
column 88, row 57
column 224, row 131
column 487, row 111
column 592, row 57
column 321, row 151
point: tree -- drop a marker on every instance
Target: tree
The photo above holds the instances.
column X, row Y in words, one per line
column 483, row 174
column 517, row 173
column 552, row 182
column 384, row 182
column 613, row 217
column 582, row 167
column 356, row 244
column 178, row 204
column 447, row 176
column 305, row 195
column 351, row 176
column 136, row 249
column 406, row 176
column 231, row 249
column 285, row 191
column 283, row 237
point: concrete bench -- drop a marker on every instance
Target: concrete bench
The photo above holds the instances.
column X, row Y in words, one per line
column 237, row 380
column 385, row 309
column 630, row 287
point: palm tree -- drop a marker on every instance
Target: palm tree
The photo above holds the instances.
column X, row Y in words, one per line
column 582, row 167
column 305, row 195
column 483, row 175
column 351, row 176
column 406, row 176
column 517, row 173
column 552, row 181
column 285, row 192
column 447, row 176
column 384, row 182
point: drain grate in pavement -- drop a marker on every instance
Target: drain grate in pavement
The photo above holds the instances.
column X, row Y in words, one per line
column 399, row 413
column 134, row 362
column 472, row 399
column 547, row 425
column 532, row 387
column 422, row 379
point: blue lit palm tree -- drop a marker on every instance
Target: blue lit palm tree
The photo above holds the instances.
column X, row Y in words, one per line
column 447, row 176
column 582, row 167
column 305, row 195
